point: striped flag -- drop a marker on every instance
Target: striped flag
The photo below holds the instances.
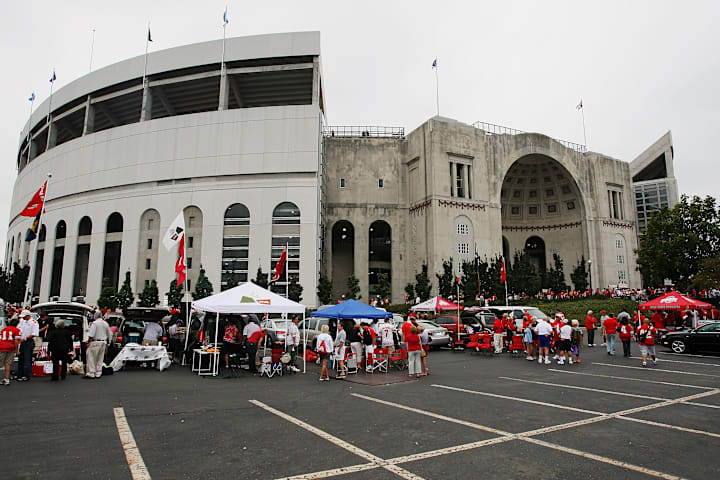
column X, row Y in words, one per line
column 579, row 105
column 225, row 17
column 53, row 78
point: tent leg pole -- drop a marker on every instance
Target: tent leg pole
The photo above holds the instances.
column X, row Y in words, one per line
column 304, row 344
column 216, row 355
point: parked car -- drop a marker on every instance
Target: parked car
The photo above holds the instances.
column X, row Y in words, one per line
column 75, row 316
column 468, row 324
column 439, row 336
column 702, row 339
column 518, row 312
column 134, row 320
column 277, row 328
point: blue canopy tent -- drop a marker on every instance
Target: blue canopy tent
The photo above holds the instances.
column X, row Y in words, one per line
column 350, row 309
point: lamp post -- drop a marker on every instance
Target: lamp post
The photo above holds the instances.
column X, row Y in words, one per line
column 590, row 275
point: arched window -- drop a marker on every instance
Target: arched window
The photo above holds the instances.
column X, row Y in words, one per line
column 114, row 223
column 535, row 248
column 379, row 255
column 237, row 214
column 343, row 256
column 286, row 213
column 43, row 233
column 85, row 227
column 61, row 229
column 235, row 246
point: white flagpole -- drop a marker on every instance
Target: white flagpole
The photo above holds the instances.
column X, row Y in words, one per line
column 188, row 303
column 287, row 277
column 582, row 111
column 147, row 44
column 52, row 83
column 32, row 103
column 222, row 60
column 505, row 282
column 33, row 260
column 92, row 48
column 437, row 88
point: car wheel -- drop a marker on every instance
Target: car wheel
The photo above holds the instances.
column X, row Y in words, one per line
column 678, row 346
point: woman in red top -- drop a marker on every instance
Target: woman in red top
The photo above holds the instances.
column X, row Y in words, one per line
column 498, row 328
column 230, row 343
column 590, row 326
column 625, row 332
column 646, row 337
column 414, row 347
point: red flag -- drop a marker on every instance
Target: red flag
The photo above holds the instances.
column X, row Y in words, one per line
column 280, row 265
column 503, row 276
column 36, row 203
column 180, row 268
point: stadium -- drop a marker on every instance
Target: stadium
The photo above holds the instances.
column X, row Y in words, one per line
column 243, row 148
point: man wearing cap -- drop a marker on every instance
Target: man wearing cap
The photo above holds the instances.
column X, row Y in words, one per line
column 29, row 329
column 98, row 337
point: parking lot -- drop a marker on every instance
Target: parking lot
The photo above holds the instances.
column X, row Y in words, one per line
column 474, row 416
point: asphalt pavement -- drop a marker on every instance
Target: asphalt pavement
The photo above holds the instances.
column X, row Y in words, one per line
column 473, row 416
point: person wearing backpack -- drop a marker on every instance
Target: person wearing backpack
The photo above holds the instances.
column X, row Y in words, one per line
column 646, row 339
column 625, row 334
column 368, row 339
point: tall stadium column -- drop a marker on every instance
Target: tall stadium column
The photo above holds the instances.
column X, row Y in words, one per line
column 68, row 270
column 224, row 91
column 362, row 257
column 95, row 264
column 146, row 110
column 89, row 123
column 48, row 256
column 52, row 134
column 316, row 82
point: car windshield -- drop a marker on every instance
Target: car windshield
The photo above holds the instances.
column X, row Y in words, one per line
column 711, row 327
column 69, row 321
column 535, row 312
column 429, row 324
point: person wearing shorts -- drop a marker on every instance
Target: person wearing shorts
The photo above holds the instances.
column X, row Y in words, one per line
column 646, row 335
column 544, row 331
column 564, row 343
column 324, row 348
column 9, row 347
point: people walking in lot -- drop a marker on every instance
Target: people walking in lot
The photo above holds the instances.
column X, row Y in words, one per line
column 60, row 342
column 340, row 345
column 498, row 329
column 29, row 329
column 590, row 326
column 292, row 342
column 610, row 326
column 9, row 347
column 425, row 344
column 324, row 348
column 414, row 348
column 564, row 345
column 576, row 340
column 544, row 331
column 97, row 342
column 646, row 339
column 625, row 331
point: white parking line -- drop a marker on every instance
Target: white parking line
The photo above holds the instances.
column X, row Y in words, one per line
column 686, row 355
column 629, row 379
column 379, row 462
column 652, row 369
column 522, row 436
column 138, row 470
column 682, row 361
column 609, row 392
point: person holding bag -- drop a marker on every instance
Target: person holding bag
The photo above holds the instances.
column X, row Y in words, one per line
column 324, row 348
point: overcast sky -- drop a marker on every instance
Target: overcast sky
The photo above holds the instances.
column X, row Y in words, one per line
column 641, row 67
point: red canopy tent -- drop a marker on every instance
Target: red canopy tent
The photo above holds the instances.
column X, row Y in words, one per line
column 674, row 301
column 436, row 304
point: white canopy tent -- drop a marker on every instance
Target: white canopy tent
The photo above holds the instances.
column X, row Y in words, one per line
column 249, row 298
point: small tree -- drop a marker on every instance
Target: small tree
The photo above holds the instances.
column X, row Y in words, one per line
column 353, row 285
column 125, row 296
column 324, row 290
column 261, row 279
column 522, row 275
column 446, row 280
column 709, row 274
column 150, row 297
column 108, row 296
column 579, row 275
column 175, row 294
column 17, row 283
column 410, row 291
column 295, row 289
column 203, row 287
column 555, row 279
column 422, row 283
column 384, row 287
column 469, row 281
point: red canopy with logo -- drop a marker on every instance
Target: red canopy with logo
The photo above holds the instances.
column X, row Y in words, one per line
column 674, row 301
column 436, row 304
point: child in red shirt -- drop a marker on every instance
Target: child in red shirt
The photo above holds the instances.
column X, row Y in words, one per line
column 9, row 347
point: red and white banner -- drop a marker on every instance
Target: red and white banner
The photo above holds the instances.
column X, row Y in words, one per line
column 280, row 265
column 180, row 267
column 36, row 203
column 503, row 275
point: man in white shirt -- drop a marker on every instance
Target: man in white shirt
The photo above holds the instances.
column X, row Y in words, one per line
column 565, row 344
column 545, row 332
column 386, row 335
column 98, row 337
column 29, row 329
column 292, row 341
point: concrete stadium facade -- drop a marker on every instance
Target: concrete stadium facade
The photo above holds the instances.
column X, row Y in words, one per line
column 245, row 152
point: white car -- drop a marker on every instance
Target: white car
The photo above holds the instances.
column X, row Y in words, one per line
column 439, row 336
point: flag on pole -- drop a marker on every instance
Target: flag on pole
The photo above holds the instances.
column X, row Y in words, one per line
column 280, row 265
column 579, row 105
column 180, row 267
column 34, row 228
column 33, row 208
column 434, row 65
column 225, row 17
column 149, row 39
column 32, row 97
column 175, row 232
column 53, row 78
column 503, row 275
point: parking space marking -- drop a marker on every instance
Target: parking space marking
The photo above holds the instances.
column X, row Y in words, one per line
column 560, row 385
column 672, row 427
column 706, row 405
column 651, row 369
column 629, row 378
column 525, row 436
column 506, row 397
column 138, row 470
column 686, row 355
column 379, row 462
column 682, row 361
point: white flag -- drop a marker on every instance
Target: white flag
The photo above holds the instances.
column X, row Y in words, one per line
column 174, row 232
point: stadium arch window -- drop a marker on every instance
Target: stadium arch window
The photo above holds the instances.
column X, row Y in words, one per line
column 285, row 231
column 113, row 249
column 235, row 246
column 61, row 230
column 82, row 257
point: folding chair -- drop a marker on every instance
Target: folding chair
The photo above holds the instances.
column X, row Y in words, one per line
column 351, row 363
column 272, row 365
column 485, row 343
column 473, row 344
column 379, row 360
column 399, row 359
column 516, row 345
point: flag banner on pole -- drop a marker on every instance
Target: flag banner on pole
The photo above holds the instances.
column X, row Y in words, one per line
column 53, row 78
column 32, row 97
column 36, row 203
column 149, row 39
column 180, row 267
column 34, row 228
column 225, row 17
column 434, row 65
column 503, row 275
column 579, row 105
column 175, row 232
column 280, row 265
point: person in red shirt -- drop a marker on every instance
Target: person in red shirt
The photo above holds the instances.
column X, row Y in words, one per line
column 658, row 321
column 498, row 329
column 9, row 347
column 414, row 355
column 610, row 326
column 591, row 326
column 646, row 337
column 510, row 327
column 625, row 332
